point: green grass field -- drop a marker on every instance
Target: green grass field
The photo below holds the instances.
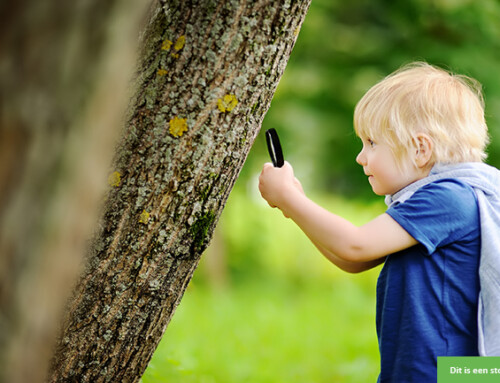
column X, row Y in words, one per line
column 286, row 314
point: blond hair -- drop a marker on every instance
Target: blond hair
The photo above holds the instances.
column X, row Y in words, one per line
column 421, row 98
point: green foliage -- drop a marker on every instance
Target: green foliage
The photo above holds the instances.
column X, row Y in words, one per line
column 261, row 244
column 345, row 47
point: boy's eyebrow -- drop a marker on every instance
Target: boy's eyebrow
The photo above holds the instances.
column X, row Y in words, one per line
column 365, row 137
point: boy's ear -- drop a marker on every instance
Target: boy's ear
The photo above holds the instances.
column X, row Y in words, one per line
column 424, row 147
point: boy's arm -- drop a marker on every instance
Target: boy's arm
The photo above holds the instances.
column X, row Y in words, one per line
column 348, row 266
column 332, row 234
column 372, row 241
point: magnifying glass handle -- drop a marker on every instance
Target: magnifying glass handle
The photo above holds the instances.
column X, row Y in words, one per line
column 274, row 148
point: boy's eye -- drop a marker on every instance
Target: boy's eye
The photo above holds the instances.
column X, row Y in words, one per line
column 371, row 143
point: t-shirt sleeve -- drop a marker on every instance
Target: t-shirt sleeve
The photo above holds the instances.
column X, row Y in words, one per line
column 438, row 214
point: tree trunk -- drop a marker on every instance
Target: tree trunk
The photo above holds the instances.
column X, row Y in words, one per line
column 65, row 68
column 207, row 74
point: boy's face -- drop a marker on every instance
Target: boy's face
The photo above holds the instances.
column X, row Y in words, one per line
column 381, row 167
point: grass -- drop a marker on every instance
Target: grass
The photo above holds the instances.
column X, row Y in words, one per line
column 287, row 315
column 270, row 333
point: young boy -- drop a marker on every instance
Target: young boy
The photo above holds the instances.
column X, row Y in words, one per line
column 424, row 137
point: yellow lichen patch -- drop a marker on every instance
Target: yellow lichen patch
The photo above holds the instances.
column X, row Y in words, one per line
column 165, row 46
column 114, row 179
column 178, row 126
column 144, row 217
column 179, row 44
column 296, row 31
column 162, row 72
column 227, row 103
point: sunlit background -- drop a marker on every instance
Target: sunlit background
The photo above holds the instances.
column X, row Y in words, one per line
column 264, row 306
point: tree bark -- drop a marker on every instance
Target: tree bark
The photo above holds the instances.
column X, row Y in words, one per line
column 65, row 68
column 207, row 75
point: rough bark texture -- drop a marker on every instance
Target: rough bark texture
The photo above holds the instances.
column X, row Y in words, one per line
column 65, row 67
column 205, row 81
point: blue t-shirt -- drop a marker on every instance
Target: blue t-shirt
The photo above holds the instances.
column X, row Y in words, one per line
column 427, row 295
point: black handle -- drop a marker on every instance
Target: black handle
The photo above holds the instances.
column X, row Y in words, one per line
column 274, row 148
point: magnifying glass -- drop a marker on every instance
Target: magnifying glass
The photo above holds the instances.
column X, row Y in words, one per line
column 274, row 148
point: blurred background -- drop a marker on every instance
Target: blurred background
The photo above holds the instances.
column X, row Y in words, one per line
column 264, row 306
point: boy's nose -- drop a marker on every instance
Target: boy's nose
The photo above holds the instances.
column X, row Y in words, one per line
column 361, row 158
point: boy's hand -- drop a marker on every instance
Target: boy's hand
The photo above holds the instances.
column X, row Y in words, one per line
column 275, row 184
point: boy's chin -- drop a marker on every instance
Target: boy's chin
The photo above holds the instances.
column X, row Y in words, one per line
column 376, row 190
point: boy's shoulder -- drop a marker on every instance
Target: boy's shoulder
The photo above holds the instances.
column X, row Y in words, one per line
column 443, row 200
column 440, row 213
column 449, row 191
column 448, row 186
column 450, row 198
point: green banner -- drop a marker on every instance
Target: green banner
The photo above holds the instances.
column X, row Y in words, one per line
column 468, row 369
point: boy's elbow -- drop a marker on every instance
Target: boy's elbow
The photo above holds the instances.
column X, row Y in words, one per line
column 354, row 268
column 359, row 267
column 352, row 261
column 352, row 251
